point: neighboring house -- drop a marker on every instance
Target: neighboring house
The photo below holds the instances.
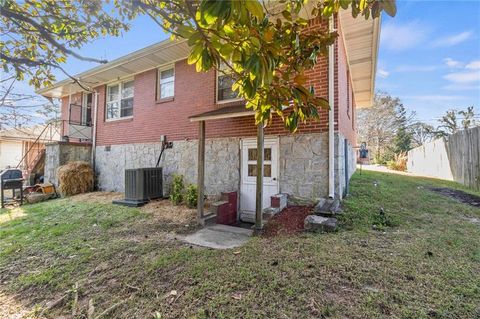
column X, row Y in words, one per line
column 153, row 92
column 24, row 147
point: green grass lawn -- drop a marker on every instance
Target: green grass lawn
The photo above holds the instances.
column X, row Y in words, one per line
column 422, row 260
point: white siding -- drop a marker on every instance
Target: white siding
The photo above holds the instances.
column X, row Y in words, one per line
column 10, row 153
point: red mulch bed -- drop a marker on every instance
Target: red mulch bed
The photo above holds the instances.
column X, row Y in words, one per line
column 289, row 221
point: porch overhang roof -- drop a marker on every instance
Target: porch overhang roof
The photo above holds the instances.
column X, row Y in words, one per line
column 153, row 56
column 361, row 38
column 222, row 113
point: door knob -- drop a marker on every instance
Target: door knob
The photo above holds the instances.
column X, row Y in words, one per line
column 274, row 178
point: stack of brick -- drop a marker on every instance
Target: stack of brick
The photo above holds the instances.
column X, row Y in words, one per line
column 226, row 209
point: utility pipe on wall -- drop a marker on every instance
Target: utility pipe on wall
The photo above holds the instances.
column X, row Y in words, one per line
column 331, row 114
column 94, row 129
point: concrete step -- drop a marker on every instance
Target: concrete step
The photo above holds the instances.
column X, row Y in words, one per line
column 209, row 219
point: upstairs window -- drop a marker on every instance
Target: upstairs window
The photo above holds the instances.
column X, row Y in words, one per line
column 120, row 100
column 224, row 86
column 166, row 85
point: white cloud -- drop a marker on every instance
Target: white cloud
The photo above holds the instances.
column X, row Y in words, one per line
column 434, row 98
column 452, row 40
column 400, row 37
column 452, row 63
column 462, row 87
column 463, row 77
column 466, row 79
column 474, row 65
column 383, row 73
column 416, row 68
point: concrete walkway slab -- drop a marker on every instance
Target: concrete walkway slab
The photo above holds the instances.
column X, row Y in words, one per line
column 220, row 237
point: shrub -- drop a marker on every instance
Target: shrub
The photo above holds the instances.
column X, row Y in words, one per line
column 384, row 157
column 381, row 220
column 177, row 189
column 191, row 196
column 399, row 163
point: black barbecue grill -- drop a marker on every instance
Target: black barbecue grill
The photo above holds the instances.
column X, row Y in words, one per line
column 11, row 179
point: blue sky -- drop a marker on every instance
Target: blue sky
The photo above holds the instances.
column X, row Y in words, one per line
column 429, row 55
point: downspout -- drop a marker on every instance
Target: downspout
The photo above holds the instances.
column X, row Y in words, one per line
column 331, row 113
column 67, row 121
column 94, row 132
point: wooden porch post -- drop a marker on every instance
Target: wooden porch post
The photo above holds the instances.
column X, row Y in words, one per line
column 201, row 171
column 259, row 190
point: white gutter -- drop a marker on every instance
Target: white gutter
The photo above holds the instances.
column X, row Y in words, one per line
column 331, row 114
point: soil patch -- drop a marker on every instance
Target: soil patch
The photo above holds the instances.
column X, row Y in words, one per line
column 97, row 197
column 458, row 195
column 163, row 209
column 289, row 221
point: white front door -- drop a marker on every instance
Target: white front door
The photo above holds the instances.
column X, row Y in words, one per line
column 249, row 173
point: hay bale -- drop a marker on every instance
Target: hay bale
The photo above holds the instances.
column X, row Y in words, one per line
column 75, row 178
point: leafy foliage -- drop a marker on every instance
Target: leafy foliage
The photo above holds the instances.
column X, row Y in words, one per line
column 18, row 109
column 263, row 46
column 39, row 35
column 456, row 120
column 191, row 197
column 385, row 127
column 178, row 189
column 421, row 133
column 399, row 162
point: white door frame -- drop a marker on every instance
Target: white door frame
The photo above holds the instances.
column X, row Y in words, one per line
column 273, row 180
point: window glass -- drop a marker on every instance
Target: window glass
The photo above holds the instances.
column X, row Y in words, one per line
column 167, row 74
column 267, row 170
column 127, row 107
column 112, row 94
column 120, row 100
column 112, row 110
column 127, row 90
column 252, row 170
column 225, row 91
column 252, row 154
column 267, row 154
column 167, row 83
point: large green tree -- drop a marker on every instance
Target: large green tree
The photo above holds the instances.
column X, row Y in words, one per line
column 386, row 127
column 262, row 45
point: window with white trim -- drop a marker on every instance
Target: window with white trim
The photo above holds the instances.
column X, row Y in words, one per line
column 166, row 83
column 224, row 86
column 120, row 100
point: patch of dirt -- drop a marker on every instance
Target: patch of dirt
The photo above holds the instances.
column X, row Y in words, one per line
column 166, row 211
column 458, row 195
column 97, row 197
column 160, row 209
column 289, row 221
column 12, row 308
column 473, row 220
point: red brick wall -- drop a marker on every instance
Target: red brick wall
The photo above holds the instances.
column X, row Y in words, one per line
column 194, row 94
column 344, row 106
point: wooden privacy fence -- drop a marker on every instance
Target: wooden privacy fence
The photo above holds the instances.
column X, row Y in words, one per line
column 456, row 157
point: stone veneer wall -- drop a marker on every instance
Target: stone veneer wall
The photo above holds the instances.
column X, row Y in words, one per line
column 60, row 153
column 303, row 166
column 222, row 163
